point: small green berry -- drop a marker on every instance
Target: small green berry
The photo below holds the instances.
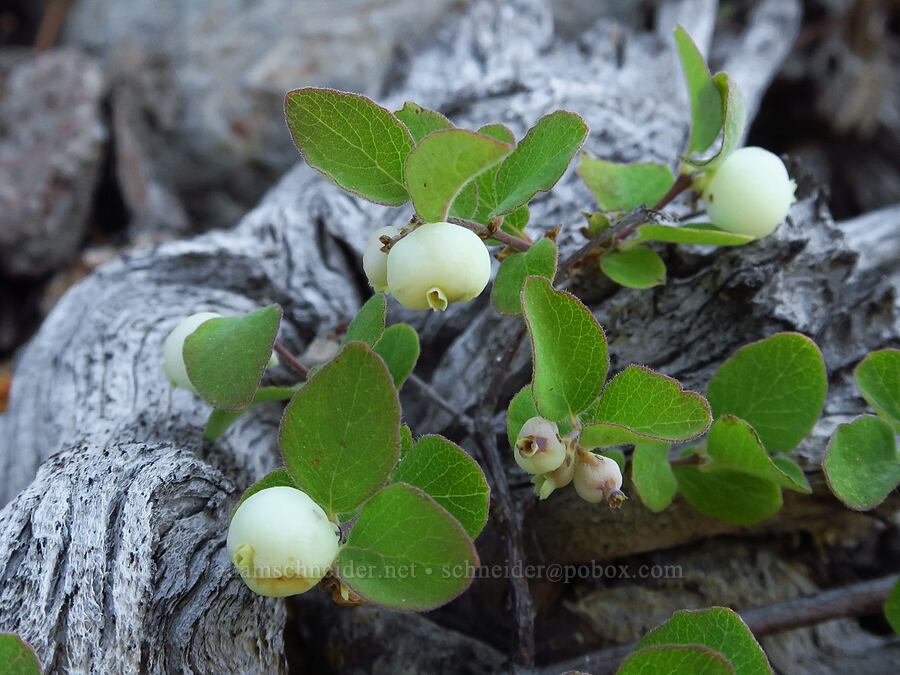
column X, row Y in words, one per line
column 750, row 193
column 436, row 264
column 282, row 542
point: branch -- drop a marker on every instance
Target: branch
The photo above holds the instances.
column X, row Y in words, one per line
column 435, row 397
column 292, row 361
column 488, row 233
column 867, row 597
column 509, row 518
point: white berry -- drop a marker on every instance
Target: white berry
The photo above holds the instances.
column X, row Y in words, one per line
column 173, row 349
column 598, row 478
column 282, row 542
column 436, row 264
column 375, row 260
column 750, row 193
column 539, row 448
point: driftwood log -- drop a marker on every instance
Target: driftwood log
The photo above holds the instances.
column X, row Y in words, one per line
column 112, row 554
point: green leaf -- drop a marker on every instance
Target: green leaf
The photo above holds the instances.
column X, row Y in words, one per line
column 639, row 404
column 569, row 349
column 421, row 121
column 623, row 187
column 735, row 115
column 406, row 552
column 443, row 471
column 521, row 409
column 514, row 223
column 368, row 325
column 17, row 657
column 220, row 420
column 862, row 464
column 598, row 223
column 466, row 202
column 226, row 357
column 733, row 444
column 732, row 496
column 676, row 660
column 794, row 472
column 539, row 160
column 278, row 478
column 777, row 385
column 539, row 260
column 399, row 347
column 652, row 474
column 878, row 379
column 637, row 267
column 406, row 441
column 892, row 608
column 443, row 163
column 690, row 235
column 355, row 142
column 706, row 99
column 486, row 182
column 340, row 435
column 717, row 628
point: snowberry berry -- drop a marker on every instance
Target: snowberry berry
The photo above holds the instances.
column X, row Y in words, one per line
column 598, row 478
column 436, row 264
column 173, row 354
column 546, row 483
column 281, row 541
column 375, row 260
column 539, row 448
column 750, row 193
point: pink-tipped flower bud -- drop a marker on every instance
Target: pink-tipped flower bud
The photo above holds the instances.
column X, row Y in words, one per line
column 598, row 478
column 546, row 483
column 539, row 448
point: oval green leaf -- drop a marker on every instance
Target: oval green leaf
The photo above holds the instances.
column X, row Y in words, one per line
column 691, row 235
column 443, row 163
column 878, row 379
column 706, row 99
column 421, row 121
column 226, row 357
column 569, row 350
column 733, row 444
column 777, row 385
column 734, row 113
column 368, row 324
column 862, row 464
column 399, row 347
column 340, row 435
column 623, row 187
column 676, row 660
column 639, row 404
column 407, row 552
column 539, row 160
column 539, row 260
column 732, row 496
column 717, row 628
column 443, row 471
column 892, row 608
column 352, row 140
column 637, row 267
column 17, row 657
column 652, row 474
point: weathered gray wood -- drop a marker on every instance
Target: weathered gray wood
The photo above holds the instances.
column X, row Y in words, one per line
column 101, row 460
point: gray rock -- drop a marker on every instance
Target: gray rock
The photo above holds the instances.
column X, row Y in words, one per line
column 51, row 148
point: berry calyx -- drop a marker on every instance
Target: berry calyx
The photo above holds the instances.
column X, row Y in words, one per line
column 750, row 193
column 436, row 264
column 282, row 542
column 539, row 448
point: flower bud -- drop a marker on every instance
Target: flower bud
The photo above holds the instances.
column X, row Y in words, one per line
column 375, row 260
column 750, row 193
column 173, row 349
column 546, row 483
column 436, row 264
column 281, row 541
column 539, row 448
column 598, row 478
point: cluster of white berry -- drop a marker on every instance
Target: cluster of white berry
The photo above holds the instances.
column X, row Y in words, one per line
column 556, row 462
column 431, row 266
